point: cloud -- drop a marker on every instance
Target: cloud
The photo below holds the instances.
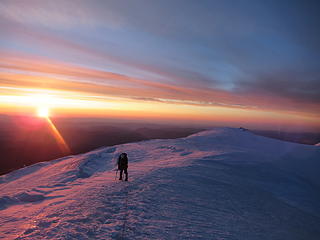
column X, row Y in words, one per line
column 71, row 50
column 25, row 71
column 294, row 85
column 57, row 14
column 258, row 55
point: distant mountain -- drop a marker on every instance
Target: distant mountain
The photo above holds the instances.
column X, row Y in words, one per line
column 224, row 183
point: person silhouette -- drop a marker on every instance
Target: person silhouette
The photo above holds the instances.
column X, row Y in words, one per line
column 123, row 165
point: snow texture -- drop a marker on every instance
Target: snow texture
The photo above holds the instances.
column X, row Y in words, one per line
column 223, row 183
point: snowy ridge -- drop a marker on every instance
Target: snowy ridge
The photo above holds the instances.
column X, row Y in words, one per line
column 223, row 183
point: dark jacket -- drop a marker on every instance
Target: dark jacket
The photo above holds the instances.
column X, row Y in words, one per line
column 123, row 161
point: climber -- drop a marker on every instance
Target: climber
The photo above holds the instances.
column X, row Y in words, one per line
column 123, row 165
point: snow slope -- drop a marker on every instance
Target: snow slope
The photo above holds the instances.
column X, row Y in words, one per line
column 223, row 183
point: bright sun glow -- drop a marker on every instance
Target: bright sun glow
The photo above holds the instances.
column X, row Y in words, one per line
column 43, row 112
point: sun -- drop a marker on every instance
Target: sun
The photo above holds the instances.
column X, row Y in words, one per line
column 43, row 112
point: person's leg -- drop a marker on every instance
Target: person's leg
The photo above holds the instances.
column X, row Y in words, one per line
column 121, row 171
column 126, row 173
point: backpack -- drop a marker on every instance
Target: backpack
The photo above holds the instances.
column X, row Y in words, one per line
column 123, row 160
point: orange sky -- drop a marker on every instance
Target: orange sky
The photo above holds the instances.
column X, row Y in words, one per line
column 68, row 90
column 29, row 82
column 63, row 103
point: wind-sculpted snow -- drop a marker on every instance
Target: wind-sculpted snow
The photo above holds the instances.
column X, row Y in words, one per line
column 222, row 183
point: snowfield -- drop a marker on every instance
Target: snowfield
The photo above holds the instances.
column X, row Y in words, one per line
column 223, row 183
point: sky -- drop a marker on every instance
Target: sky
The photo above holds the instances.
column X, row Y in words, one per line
column 250, row 63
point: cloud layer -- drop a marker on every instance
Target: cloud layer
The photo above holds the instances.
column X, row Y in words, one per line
column 244, row 54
